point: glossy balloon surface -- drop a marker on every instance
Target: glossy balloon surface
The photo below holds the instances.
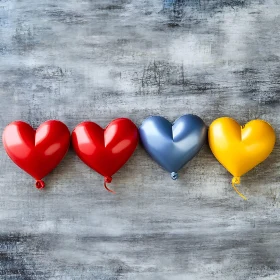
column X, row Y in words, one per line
column 105, row 150
column 173, row 145
column 240, row 148
column 39, row 151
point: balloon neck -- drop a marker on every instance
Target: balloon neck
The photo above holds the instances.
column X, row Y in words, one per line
column 108, row 180
column 236, row 181
column 40, row 184
column 174, row 175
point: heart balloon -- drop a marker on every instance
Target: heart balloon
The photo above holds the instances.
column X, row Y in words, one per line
column 173, row 145
column 240, row 148
column 105, row 150
column 39, row 151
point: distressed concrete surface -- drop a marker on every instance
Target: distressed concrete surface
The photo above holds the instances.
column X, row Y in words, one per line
column 97, row 60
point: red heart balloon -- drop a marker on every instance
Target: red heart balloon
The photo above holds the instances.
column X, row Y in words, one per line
column 39, row 151
column 105, row 150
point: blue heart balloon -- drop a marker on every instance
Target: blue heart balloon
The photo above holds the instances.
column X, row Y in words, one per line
column 173, row 145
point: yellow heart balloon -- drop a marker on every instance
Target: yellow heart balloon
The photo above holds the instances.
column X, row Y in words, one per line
column 240, row 148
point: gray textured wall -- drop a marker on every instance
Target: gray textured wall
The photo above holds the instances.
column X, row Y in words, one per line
column 98, row 60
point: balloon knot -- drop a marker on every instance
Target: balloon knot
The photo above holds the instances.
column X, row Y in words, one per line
column 107, row 180
column 236, row 181
column 174, row 175
column 40, row 184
